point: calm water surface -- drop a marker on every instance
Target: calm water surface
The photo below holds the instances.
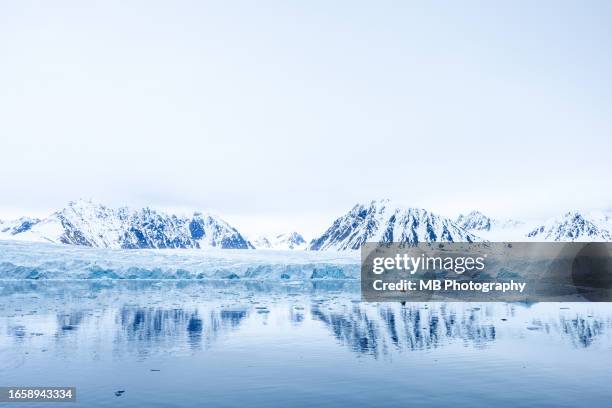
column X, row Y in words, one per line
column 269, row 345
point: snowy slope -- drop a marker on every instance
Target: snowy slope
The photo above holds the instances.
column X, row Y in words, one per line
column 601, row 219
column 382, row 221
column 11, row 228
column 261, row 242
column 94, row 225
column 474, row 221
column 290, row 241
column 493, row 229
column 573, row 226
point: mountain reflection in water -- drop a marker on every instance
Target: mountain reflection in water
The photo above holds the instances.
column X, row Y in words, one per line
column 150, row 327
column 224, row 343
column 411, row 327
column 146, row 318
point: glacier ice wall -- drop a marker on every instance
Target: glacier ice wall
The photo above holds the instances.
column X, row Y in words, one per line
column 29, row 260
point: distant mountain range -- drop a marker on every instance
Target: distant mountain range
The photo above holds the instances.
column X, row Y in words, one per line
column 573, row 226
column 477, row 221
column 89, row 224
column 570, row 227
column 383, row 221
column 291, row 240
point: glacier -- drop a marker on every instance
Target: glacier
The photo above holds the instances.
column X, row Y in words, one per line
column 35, row 260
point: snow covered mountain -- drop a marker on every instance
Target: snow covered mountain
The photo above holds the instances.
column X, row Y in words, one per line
column 492, row 229
column 573, row 226
column 474, row 221
column 17, row 226
column 477, row 221
column 291, row 240
column 89, row 224
column 381, row 221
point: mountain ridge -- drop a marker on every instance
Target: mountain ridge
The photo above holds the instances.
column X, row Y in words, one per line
column 384, row 221
column 86, row 223
column 572, row 226
column 288, row 241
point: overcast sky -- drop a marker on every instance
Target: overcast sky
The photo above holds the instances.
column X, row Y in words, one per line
column 281, row 115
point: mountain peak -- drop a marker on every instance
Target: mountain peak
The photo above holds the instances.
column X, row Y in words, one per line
column 82, row 203
column 14, row 227
column 386, row 222
column 83, row 222
column 291, row 240
column 474, row 221
column 571, row 226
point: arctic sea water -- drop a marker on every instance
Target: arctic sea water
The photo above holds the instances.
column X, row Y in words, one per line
column 295, row 341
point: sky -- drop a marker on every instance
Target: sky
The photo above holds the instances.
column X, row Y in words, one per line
column 281, row 115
